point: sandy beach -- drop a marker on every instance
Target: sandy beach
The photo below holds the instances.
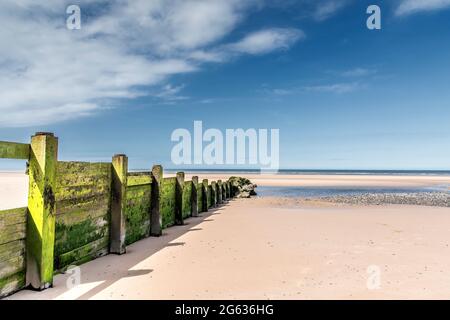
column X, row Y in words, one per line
column 13, row 190
column 313, row 180
column 275, row 248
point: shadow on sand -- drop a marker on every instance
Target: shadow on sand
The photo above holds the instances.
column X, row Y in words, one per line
column 109, row 269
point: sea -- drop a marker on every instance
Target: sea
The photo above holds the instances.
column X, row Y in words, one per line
column 314, row 192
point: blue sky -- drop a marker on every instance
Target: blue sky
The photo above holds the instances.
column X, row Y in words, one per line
column 343, row 96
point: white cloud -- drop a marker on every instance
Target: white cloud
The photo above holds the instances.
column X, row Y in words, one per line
column 337, row 88
column 170, row 93
column 412, row 6
column 266, row 41
column 358, row 72
column 129, row 48
column 326, row 9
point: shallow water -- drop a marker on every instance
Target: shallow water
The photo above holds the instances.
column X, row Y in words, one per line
column 314, row 192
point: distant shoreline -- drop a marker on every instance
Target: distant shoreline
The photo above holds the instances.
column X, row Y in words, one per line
column 295, row 172
column 321, row 172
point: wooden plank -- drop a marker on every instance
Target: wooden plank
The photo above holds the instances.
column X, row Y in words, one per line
column 89, row 257
column 89, row 250
column 12, row 150
column 12, row 266
column 14, row 216
column 82, row 204
column 83, row 167
column 134, row 180
column 139, row 173
column 12, row 233
column 139, row 191
column 12, row 283
column 82, row 179
column 75, row 192
column 76, row 216
column 12, row 249
column 68, row 241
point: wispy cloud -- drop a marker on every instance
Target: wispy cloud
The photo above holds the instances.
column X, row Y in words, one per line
column 358, row 72
column 170, row 93
column 49, row 74
column 282, row 92
column 338, row 88
column 407, row 7
column 266, row 41
column 327, row 8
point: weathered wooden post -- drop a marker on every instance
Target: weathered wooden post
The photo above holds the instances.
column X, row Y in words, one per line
column 213, row 194
column 194, row 204
column 219, row 192
column 227, row 189
column 206, row 196
column 40, row 240
column 200, row 197
column 179, row 199
column 155, row 214
column 118, row 190
column 224, row 191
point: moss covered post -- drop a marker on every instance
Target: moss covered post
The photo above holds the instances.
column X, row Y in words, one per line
column 40, row 240
column 118, row 190
column 155, row 214
column 194, row 204
column 227, row 190
column 206, row 197
column 213, row 194
column 179, row 199
column 224, row 191
column 219, row 192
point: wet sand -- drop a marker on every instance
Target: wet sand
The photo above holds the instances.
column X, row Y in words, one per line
column 286, row 180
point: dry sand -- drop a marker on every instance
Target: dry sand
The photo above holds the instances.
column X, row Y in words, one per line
column 246, row 251
column 13, row 190
column 259, row 249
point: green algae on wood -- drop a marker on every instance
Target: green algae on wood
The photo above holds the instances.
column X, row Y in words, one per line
column 219, row 192
column 118, row 203
column 85, row 253
column 12, row 250
column 167, row 205
column 200, row 193
column 187, row 199
column 179, row 198
column 156, row 224
column 12, row 150
column 83, row 198
column 137, row 212
column 139, row 178
column 41, row 210
column 12, row 283
column 194, row 197
column 207, row 195
column 213, row 194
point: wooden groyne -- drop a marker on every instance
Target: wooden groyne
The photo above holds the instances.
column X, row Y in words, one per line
column 78, row 211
